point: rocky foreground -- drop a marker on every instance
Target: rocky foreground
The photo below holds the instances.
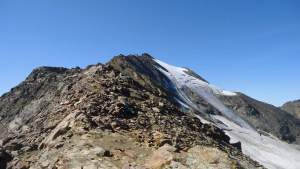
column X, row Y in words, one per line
column 99, row 117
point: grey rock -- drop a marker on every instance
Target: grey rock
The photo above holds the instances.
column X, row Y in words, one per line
column 292, row 107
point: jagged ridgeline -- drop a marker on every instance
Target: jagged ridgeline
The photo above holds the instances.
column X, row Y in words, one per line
column 137, row 112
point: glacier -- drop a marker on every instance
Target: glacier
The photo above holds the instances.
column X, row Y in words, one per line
column 268, row 150
column 181, row 79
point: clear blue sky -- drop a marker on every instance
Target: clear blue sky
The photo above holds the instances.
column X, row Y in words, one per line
column 251, row 46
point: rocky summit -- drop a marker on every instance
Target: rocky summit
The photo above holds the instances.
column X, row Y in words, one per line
column 136, row 112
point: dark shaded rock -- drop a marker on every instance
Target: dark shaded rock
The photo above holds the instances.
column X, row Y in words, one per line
column 4, row 158
column 286, row 134
column 107, row 153
column 237, row 145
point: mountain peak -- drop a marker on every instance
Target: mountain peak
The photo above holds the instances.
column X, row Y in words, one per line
column 139, row 108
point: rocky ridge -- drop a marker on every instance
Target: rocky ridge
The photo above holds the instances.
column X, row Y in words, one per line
column 107, row 116
column 262, row 116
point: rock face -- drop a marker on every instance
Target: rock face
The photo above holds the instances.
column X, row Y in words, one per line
column 292, row 107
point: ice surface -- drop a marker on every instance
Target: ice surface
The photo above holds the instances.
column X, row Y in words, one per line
column 181, row 79
column 267, row 150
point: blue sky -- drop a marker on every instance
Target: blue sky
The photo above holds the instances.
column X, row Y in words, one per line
column 250, row 46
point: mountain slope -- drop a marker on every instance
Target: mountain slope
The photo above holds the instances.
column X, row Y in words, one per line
column 264, row 149
column 292, row 107
column 254, row 122
column 108, row 117
column 265, row 117
column 139, row 112
column 257, row 114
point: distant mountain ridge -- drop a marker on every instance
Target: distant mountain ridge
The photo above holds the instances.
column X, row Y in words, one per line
column 292, row 107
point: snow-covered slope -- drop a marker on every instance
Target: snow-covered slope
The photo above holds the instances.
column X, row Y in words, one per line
column 181, row 79
column 266, row 149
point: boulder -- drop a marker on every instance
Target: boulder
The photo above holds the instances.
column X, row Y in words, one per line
column 200, row 157
column 161, row 157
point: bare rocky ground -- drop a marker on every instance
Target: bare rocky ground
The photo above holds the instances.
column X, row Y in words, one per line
column 99, row 118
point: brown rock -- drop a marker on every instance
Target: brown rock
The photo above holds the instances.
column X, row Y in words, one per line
column 161, row 138
column 161, row 157
column 207, row 157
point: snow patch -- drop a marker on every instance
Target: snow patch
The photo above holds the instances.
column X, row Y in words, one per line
column 269, row 151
